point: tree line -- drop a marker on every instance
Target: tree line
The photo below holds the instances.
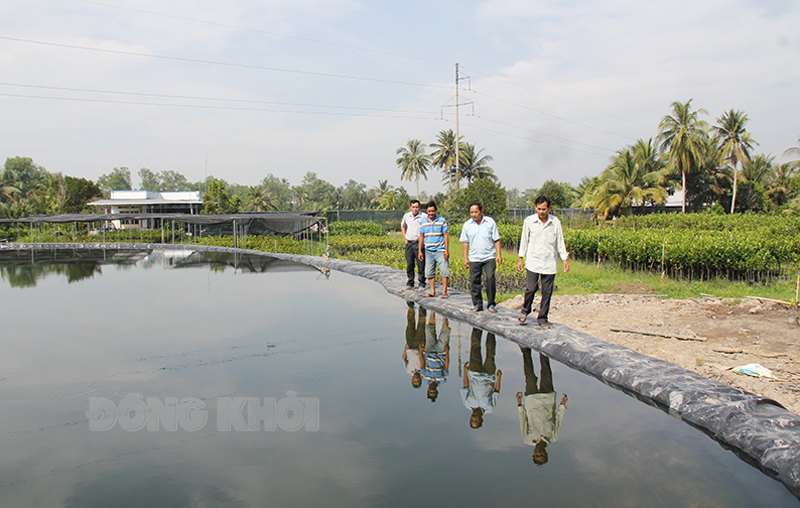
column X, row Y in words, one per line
column 717, row 168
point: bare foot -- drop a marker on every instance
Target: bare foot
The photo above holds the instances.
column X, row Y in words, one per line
column 445, row 296
column 428, row 295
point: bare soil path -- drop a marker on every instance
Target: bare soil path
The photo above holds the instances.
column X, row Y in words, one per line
column 728, row 333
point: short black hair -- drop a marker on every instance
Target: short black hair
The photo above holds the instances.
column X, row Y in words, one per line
column 475, row 203
column 414, row 201
column 542, row 199
column 431, row 204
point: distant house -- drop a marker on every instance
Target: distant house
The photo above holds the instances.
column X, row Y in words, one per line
column 142, row 201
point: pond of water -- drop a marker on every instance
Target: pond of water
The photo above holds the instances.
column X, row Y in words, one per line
column 196, row 379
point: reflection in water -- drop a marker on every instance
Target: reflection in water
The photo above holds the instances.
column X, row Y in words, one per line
column 23, row 268
column 166, row 333
column 436, row 356
column 415, row 339
column 481, row 379
column 539, row 418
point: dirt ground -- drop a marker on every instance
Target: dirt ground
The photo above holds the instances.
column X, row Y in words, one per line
column 727, row 333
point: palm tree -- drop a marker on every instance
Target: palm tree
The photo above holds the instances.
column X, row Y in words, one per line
column 779, row 185
column 259, row 199
column 758, row 169
column 444, row 157
column 473, row 166
column 633, row 178
column 794, row 150
column 413, row 161
column 735, row 142
column 682, row 136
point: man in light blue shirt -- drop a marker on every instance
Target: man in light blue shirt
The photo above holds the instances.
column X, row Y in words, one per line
column 482, row 254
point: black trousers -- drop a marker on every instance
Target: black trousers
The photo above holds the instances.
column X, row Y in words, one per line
column 475, row 271
column 476, row 362
column 412, row 256
column 546, row 383
column 531, row 286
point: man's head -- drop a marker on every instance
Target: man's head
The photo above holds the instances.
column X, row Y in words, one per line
column 430, row 208
column 476, row 212
column 415, row 206
column 416, row 379
column 433, row 391
column 542, row 205
column 540, row 452
column 476, row 418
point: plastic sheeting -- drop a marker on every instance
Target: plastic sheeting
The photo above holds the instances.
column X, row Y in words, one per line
column 758, row 430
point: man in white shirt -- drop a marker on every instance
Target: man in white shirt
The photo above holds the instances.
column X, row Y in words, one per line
column 481, row 241
column 541, row 242
column 410, row 228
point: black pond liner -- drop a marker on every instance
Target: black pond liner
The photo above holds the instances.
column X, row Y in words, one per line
column 758, row 430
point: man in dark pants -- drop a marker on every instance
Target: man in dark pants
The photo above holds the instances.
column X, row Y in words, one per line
column 539, row 417
column 410, row 228
column 482, row 253
column 542, row 241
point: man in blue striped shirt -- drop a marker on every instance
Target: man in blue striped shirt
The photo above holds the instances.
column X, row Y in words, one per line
column 433, row 238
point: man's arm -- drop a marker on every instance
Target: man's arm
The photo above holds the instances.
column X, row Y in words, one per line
column 523, row 245
column 466, row 369
column 497, row 384
column 421, row 244
column 499, row 252
column 466, row 254
column 446, row 246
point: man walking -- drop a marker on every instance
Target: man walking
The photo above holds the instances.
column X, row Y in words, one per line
column 542, row 240
column 410, row 228
column 433, row 238
column 482, row 254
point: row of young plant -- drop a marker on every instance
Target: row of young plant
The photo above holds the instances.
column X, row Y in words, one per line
column 748, row 253
column 774, row 224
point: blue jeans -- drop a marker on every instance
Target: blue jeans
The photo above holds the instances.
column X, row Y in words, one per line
column 434, row 258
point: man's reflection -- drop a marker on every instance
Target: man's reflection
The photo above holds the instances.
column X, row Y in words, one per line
column 415, row 338
column 481, row 379
column 435, row 355
column 539, row 418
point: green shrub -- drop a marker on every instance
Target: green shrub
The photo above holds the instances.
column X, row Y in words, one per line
column 356, row 228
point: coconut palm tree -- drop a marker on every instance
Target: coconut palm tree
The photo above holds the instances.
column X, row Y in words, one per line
column 444, row 157
column 413, row 161
column 259, row 199
column 758, row 169
column 779, row 187
column 793, row 151
column 734, row 141
column 473, row 165
column 682, row 136
column 630, row 180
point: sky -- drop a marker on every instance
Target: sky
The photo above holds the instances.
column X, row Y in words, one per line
column 241, row 89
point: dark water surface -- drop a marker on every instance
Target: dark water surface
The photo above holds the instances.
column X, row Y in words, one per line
column 319, row 358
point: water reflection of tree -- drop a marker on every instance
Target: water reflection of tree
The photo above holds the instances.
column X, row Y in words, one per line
column 28, row 276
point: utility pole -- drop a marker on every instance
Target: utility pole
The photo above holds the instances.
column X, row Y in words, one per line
column 458, row 162
column 459, row 77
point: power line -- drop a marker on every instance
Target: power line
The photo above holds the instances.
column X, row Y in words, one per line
column 560, row 99
column 200, row 106
column 541, row 133
column 550, row 115
column 216, row 62
column 215, row 99
column 265, row 32
column 533, row 140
